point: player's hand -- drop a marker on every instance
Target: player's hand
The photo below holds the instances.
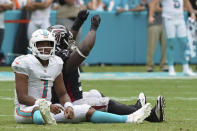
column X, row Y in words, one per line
column 83, row 15
column 55, row 109
column 95, row 21
column 151, row 19
column 69, row 113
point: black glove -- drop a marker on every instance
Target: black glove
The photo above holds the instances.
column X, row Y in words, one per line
column 95, row 21
column 64, row 54
column 81, row 17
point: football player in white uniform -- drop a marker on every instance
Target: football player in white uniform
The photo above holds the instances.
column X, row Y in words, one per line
column 36, row 73
column 173, row 17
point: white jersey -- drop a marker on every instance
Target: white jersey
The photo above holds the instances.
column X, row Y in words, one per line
column 172, row 8
column 41, row 14
column 40, row 79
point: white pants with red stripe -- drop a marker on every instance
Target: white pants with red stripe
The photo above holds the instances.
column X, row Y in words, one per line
column 23, row 114
column 94, row 99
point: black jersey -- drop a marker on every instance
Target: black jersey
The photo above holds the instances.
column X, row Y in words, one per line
column 194, row 4
column 71, row 80
column 73, row 85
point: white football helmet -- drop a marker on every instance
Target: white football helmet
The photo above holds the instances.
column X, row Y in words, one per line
column 42, row 35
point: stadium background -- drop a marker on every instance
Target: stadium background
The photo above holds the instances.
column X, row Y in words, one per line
column 121, row 39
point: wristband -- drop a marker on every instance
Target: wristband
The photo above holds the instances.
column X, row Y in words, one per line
column 82, row 55
column 67, row 104
column 193, row 14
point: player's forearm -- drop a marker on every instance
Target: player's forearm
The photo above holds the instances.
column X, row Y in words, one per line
column 87, row 44
column 152, row 6
column 189, row 7
column 26, row 100
column 63, row 99
column 81, row 17
column 75, row 33
column 79, row 55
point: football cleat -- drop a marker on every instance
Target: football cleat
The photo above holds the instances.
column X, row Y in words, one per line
column 172, row 73
column 141, row 100
column 189, row 72
column 159, row 109
column 140, row 115
column 44, row 107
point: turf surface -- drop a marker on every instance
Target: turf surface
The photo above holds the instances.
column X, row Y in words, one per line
column 180, row 94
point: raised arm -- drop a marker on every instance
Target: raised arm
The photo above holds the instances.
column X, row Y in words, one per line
column 84, row 48
column 81, row 17
column 21, row 84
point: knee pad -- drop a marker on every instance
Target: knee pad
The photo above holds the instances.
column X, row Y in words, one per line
column 37, row 118
column 95, row 93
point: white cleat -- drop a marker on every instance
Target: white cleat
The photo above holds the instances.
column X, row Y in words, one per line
column 189, row 72
column 44, row 107
column 142, row 99
column 172, row 73
column 140, row 115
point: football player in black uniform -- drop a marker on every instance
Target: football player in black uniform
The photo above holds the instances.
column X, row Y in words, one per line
column 74, row 54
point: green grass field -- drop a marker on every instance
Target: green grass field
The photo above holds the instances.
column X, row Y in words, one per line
column 181, row 103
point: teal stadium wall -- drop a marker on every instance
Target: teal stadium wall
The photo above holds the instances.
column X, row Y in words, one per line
column 121, row 38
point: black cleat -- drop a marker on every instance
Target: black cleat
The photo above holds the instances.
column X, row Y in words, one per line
column 159, row 109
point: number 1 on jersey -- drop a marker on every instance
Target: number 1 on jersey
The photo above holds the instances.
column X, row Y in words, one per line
column 176, row 4
column 45, row 89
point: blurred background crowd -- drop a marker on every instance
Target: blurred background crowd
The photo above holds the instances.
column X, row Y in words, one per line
column 36, row 14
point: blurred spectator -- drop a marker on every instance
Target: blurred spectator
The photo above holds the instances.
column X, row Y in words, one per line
column 40, row 14
column 96, row 5
column 156, row 34
column 4, row 5
column 175, row 28
column 67, row 13
column 131, row 5
column 19, row 4
column 194, row 5
column 54, row 5
column 111, row 5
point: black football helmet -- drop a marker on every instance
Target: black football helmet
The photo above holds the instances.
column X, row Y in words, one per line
column 63, row 37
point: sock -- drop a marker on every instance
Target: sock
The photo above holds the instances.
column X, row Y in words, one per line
column 171, row 68
column 37, row 118
column 183, row 44
column 185, row 67
column 104, row 117
column 121, row 109
column 170, row 51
